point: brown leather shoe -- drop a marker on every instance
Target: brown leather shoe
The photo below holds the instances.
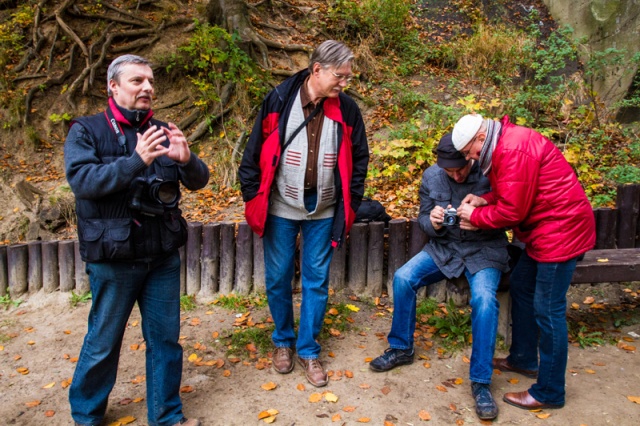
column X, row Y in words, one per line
column 282, row 360
column 526, row 401
column 503, row 365
column 314, row 371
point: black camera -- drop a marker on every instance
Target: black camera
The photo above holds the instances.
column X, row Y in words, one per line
column 450, row 217
column 153, row 196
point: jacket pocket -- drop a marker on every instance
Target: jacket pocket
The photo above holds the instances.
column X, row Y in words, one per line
column 107, row 239
column 173, row 231
column 255, row 212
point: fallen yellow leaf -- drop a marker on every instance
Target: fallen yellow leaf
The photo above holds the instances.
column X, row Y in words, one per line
column 514, row 381
column 466, row 360
column 424, row 415
column 49, row 413
column 575, row 306
column 269, row 386
column 441, row 388
column 543, row 415
column 588, row 300
column 49, row 386
column 603, row 260
column 458, row 381
column 315, row 397
column 364, row 420
column 330, row 397
column 635, row 399
column 300, row 387
column 353, row 308
column 336, row 417
column 588, row 370
column 349, row 409
column 32, row 403
column 126, row 420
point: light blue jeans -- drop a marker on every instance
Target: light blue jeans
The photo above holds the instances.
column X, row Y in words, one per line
column 539, row 315
column 421, row 271
column 115, row 288
column 279, row 252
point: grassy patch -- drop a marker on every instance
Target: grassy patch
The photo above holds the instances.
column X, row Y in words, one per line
column 187, row 302
column 76, row 299
column 234, row 302
column 6, row 302
column 246, row 341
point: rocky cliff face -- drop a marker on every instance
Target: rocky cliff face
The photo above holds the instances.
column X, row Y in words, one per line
column 606, row 24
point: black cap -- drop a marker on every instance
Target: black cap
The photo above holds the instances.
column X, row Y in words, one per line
column 448, row 156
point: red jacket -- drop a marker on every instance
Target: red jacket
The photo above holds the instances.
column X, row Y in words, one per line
column 262, row 155
column 536, row 192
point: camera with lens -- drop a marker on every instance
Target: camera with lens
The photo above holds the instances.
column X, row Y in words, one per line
column 153, row 196
column 450, row 217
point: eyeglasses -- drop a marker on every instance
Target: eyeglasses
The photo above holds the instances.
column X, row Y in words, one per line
column 342, row 77
column 465, row 153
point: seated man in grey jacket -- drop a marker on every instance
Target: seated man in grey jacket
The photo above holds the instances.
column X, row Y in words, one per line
column 455, row 247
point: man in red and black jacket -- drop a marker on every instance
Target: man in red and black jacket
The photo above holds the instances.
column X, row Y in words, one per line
column 303, row 170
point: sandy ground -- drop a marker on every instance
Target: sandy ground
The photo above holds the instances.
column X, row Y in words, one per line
column 44, row 335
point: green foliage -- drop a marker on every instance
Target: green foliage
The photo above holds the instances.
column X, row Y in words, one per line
column 76, row 299
column 188, row 302
column 6, row 301
column 384, row 27
column 492, row 54
column 451, row 323
column 337, row 320
column 59, row 118
column 238, row 303
column 584, row 337
column 212, row 58
column 427, row 306
column 259, row 337
column 12, row 47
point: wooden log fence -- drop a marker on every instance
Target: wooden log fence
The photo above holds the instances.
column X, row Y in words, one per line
column 226, row 257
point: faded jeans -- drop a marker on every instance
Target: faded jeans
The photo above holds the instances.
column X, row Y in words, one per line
column 421, row 271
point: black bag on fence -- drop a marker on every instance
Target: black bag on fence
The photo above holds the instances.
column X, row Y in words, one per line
column 371, row 211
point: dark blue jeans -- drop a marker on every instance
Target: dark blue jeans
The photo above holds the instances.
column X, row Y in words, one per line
column 115, row 288
column 538, row 312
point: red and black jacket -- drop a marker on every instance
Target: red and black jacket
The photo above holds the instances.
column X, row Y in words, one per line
column 262, row 156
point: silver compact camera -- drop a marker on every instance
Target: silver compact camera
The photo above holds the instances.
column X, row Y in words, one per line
column 450, row 217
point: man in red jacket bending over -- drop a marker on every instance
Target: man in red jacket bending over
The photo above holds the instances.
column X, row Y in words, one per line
column 536, row 193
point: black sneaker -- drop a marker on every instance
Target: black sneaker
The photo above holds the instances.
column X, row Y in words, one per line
column 392, row 358
column 486, row 407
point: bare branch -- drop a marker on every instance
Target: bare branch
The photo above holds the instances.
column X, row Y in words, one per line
column 171, row 104
column 129, row 14
column 287, row 47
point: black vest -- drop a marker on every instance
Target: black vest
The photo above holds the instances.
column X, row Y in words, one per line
column 108, row 228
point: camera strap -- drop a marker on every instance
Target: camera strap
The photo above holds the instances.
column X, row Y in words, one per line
column 303, row 125
column 117, row 129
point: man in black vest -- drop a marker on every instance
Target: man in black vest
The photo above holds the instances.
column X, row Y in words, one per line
column 125, row 168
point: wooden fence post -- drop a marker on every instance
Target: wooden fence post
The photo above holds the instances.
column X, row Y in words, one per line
column 417, row 239
column 258, row 265
column 337, row 270
column 182, row 252
column 4, row 272
column 397, row 250
column 375, row 259
column 227, row 256
column 358, row 258
column 82, row 279
column 17, row 259
column 210, row 259
column 35, row 266
column 194, row 246
column 66, row 254
column 606, row 224
column 50, row 268
column 244, row 259
column 628, row 203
